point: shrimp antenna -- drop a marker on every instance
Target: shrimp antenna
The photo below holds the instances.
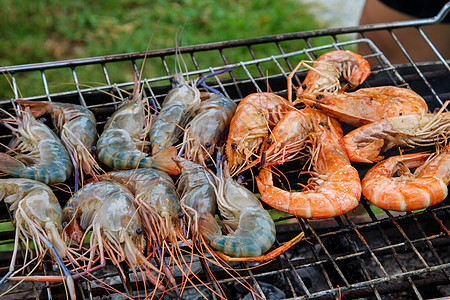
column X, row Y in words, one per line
column 202, row 83
column 12, row 83
column 178, row 57
column 140, row 89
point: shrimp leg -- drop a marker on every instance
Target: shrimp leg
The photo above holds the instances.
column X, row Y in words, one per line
column 67, row 276
column 161, row 256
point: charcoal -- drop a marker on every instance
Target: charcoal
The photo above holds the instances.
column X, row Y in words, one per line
column 271, row 292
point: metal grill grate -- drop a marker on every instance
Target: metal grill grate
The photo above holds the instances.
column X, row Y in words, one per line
column 370, row 253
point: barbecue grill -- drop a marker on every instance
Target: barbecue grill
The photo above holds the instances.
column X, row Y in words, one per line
column 369, row 253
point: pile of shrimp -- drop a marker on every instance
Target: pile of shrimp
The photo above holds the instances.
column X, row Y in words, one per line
column 157, row 186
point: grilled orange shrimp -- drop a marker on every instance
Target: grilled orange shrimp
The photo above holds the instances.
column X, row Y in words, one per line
column 366, row 105
column 108, row 209
column 37, row 218
column 122, row 142
column 335, row 189
column 77, row 128
column 365, row 143
column 425, row 187
column 331, row 71
column 207, row 127
column 250, row 125
column 290, row 136
column 177, row 109
column 37, row 153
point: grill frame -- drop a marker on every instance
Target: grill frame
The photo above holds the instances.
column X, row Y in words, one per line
column 353, row 229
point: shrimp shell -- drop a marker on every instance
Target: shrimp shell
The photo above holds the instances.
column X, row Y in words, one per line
column 198, row 196
column 365, row 143
column 348, row 67
column 425, row 187
column 290, row 136
column 41, row 157
column 366, row 105
column 77, row 127
column 107, row 208
column 250, row 125
column 154, row 187
column 335, row 189
column 332, row 70
column 36, row 210
column 122, row 142
column 251, row 230
column 177, row 109
column 207, row 127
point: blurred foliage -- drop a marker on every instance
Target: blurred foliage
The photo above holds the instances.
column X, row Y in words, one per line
column 41, row 31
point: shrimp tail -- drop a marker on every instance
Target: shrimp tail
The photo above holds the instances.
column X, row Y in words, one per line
column 10, row 165
column 36, row 108
column 165, row 161
column 208, row 226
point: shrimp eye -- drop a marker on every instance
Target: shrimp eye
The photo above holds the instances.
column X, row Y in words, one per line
column 304, row 86
column 55, row 268
column 180, row 214
column 233, row 145
column 130, row 97
column 208, row 144
column 320, row 96
column 321, row 123
column 94, row 149
column 240, row 179
column 269, row 141
column 139, row 230
column 64, row 224
column 42, row 120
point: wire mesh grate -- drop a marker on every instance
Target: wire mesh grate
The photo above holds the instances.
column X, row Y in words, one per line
column 369, row 253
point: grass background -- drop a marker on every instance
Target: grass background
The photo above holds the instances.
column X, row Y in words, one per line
column 38, row 31
column 42, row 31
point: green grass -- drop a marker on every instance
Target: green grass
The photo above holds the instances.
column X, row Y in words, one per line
column 41, row 31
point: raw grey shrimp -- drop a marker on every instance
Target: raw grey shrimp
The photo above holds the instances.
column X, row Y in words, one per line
column 250, row 228
column 425, row 187
column 158, row 203
column 108, row 209
column 367, row 105
column 331, row 72
column 36, row 153
column 255, row 115
column 77, row 128
column 207, row 127
column 334, row 190
column 157, row 190
column 176, row 111
column 197, row 191
column 366, row 143
column 122, row 143
column 37, row 217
